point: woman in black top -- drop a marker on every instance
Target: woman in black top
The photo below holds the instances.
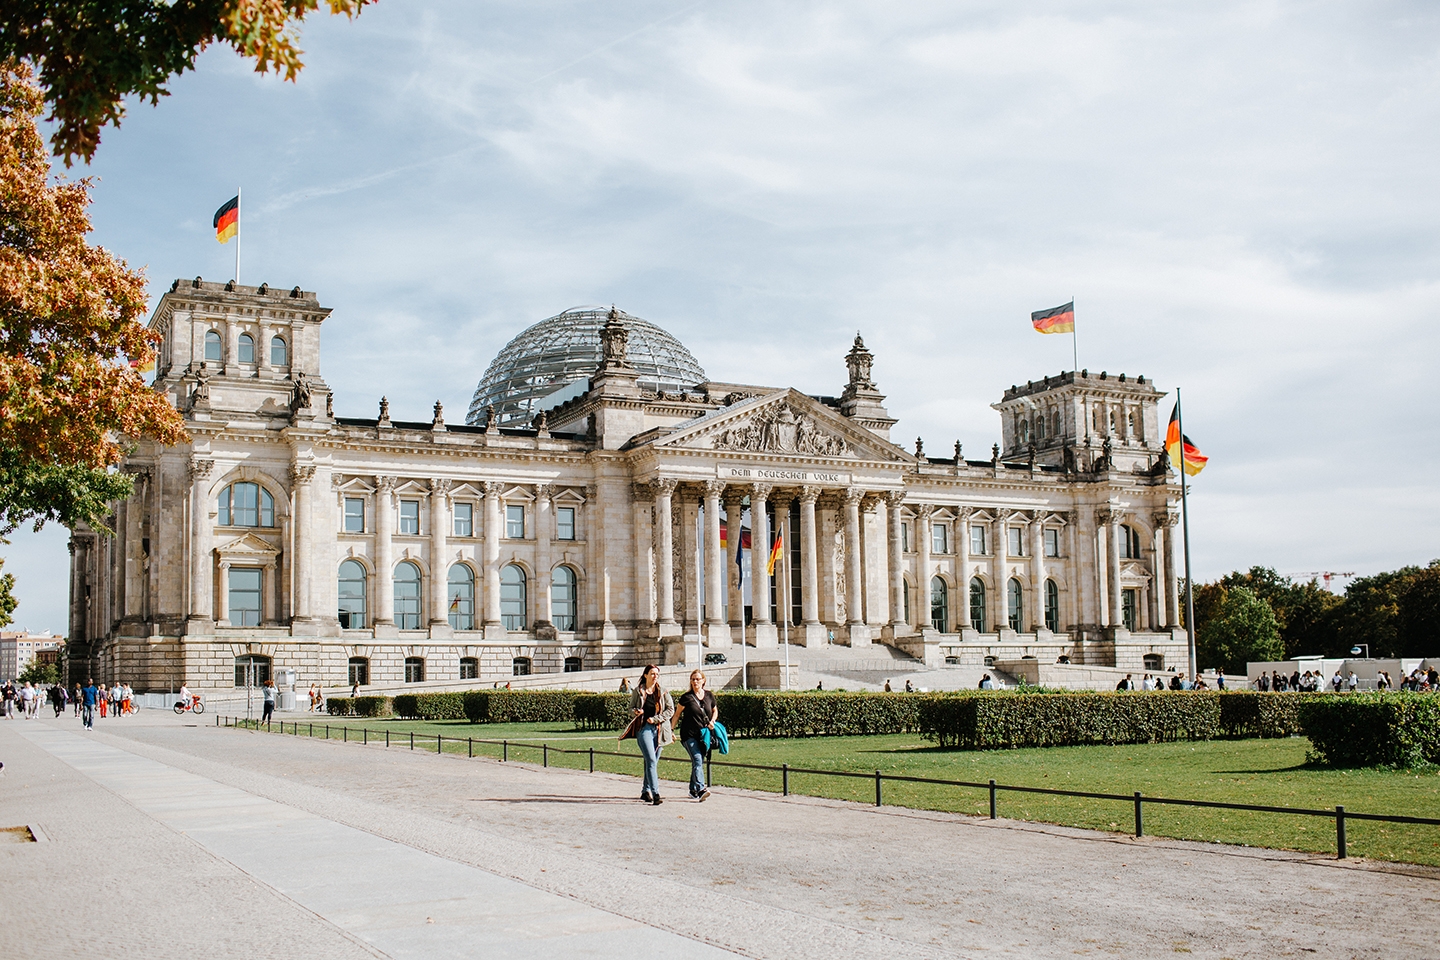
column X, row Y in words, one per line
column 699, row 714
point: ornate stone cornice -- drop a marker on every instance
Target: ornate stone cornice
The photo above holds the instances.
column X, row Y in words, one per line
column 302, row 472
column 761, row 492
column 200, row 468
column 664, row 486
column 440, row 486
column 713, row 488
column 810, row 494
column 852, row 496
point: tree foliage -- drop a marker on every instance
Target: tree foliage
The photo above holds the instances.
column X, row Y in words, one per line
column 8, row 601
column 40, row 674
column 1243, row 629
column 71, row 316
column 92, row 54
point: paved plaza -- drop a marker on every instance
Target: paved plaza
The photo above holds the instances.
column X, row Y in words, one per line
column 164, row 835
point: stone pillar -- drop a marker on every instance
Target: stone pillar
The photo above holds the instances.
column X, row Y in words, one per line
column 1172, row 574
column 999, row 548
column 717, row 630
column 230, row 356
column 303, row 562
column 439, row 562
column 1117, row 608
column 494, row 528
column 814, row 630
column 665, row 550
column 269, row 601
column 920, row 614
column 1102, row 577
column 544, row 520
column 854, row 583
column 202, row 563
column 784, row 587
column 734, row 529
column 384, row 553
column 760, row 542
column 962, row 575
column 1037, row 572
column 222, row 605
column 895, row 563
column 262, row 350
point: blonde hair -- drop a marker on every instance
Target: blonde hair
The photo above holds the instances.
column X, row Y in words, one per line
column 700, row 674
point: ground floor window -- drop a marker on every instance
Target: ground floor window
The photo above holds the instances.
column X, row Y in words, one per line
column 1154, row 662
column 1052, row 606
column 352, row 595
column 469, row 668
column 572, row 664
column 562, row 598
column 520, row 667
column 939, row 605
column 1127, row 607
column 1016, row 600
column 461, row 587
column 512, row 597
column 251, row 670
column 977, row 605
column 359, row 671
column 414, row 669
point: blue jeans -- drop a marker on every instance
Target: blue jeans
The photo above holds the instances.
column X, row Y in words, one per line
column 649, row 740
column 87, row 716
column 696, row 749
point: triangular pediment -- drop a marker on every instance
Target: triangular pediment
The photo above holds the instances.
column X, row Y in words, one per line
column 248, row 546
column 782, row 424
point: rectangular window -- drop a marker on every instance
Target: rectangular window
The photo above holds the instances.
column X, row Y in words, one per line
column 905, row 538
column 464, row 522
column 514, row 523
column 410, row 517
column 1017, row 541
column 940, row 538
column 565, row 523
column 245, row 596
column 977, row 539
column 354, row 515
column 1052, row 542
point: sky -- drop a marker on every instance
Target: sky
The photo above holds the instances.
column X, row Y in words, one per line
column 1240, row 197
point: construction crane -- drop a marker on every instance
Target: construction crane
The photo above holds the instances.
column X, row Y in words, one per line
column 1325, row 575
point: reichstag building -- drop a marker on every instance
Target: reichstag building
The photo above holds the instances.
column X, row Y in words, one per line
column 584, row 516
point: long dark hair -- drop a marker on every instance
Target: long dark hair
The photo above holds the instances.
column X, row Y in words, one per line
column 646, row 672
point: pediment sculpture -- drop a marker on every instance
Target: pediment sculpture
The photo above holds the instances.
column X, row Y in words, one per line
column 780, row 429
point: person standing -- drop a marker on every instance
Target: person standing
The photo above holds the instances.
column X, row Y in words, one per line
column 698, row 713
column 77, row 698
column 27, row 700
column 102, row 700
column 88, row 697
column 268, row 691
column 652, row 704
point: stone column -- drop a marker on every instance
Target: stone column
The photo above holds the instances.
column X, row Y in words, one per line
column 230, row 355
column 717, row 630
column 303, row 562
column 999, row 549
column 1102, row 577
column 665, row 548
column 962, row 575
column 202, row 563
column 439, row 547
column 1112, row 533
column 895, row 563
column 920, row 615
column 814, row 630
column 222, row 606
column 544, row 520
column 493, row 530
column 1037, row 572
column 262, row 350
column 854, row 584
column 766, row 635
column 734, row 528
column 384, row 552
column 1172, row 574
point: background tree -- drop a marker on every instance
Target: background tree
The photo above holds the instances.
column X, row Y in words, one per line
column 91, row 54
column 1417, row 624
column 40, row 674
column 8, row 600
column 1244, row 629
column 1371, row 613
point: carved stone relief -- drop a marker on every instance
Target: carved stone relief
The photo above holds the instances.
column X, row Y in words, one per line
column 780, row 429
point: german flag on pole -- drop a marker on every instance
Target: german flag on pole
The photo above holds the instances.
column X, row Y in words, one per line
column 774, row 554
column 1055, row 320
column 143, row 366
column 1174, row 443
column 227, row 221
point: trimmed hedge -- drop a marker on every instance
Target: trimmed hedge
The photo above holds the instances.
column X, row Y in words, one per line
column 1005, row 720
column 809, row 714
column 601, row 711
column 1246, row 715
column 520, row 706
column 430, row 706
column 1372, row 729
column 360, row 707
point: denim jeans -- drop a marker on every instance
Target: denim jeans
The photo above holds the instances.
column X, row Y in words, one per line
column 696, row 749
column 649, row 740
column 87, row 715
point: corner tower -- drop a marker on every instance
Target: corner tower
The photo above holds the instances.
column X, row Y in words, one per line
column 1084, row 422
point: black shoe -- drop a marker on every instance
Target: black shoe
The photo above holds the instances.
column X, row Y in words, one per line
column 657, row 801
column 646, row 798
column 704, row 796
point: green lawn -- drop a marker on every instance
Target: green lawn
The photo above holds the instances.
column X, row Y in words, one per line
column 1270, row 772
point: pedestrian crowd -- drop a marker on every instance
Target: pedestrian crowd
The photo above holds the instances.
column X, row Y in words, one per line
column 1419, row 680
column 116, row 700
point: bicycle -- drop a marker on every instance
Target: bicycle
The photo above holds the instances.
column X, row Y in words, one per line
column 195, row 705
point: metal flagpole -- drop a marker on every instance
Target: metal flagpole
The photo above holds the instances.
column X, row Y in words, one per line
column 784, row 605
column 1074, row 338
column 238, row 228
column 740, row 573
column 1185, row 525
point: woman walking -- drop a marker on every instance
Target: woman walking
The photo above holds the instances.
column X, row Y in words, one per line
column 651, row 703
column 698, row 713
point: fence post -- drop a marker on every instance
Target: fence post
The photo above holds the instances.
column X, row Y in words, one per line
column 217, row 720
column 544, row 754
column 992, row 799
column 365, row 736
column 592, row 759
column 1139, row 817
column 439, row 741
column 710, row 768
column 877, row 788
column 784, row 779
column 387, row 738
column 345, row 734
column 327, row 731
column 471, row 742
column 504, row 750
column 412, row 739
column 1340, row 832
column 312, row 728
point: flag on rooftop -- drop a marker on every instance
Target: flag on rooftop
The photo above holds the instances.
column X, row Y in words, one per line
column 227, row 220
column 1055, row 320
column 1178, row 446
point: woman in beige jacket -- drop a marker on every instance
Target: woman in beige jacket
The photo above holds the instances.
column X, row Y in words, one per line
column 652, row 704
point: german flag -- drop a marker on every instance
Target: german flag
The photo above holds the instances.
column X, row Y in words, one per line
column 1055, row 320
column 725, row 538
column 1174, row 442
column 227, row 220
column 774, row 554
column 143, row 366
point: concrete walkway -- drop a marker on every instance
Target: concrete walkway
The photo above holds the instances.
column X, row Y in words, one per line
column 171, row 835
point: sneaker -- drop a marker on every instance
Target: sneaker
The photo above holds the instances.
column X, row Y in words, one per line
column 646, row 798
column 703, row 797
column 657, row 801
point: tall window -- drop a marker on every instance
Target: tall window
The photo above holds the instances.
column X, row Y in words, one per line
column 562, row 598
column 1016, row 536
column 1024, row 431
column 1052, row 542
column 977, row 539
column 939, row 605
column 1016, row 598
column 1127, row 607
column 461, row 591
column 352, row 595
column 359, row 671
column 1052, row 607
column 464, row 519
column 414, row 669
column 940, row 538
column 1040, row 427
column 279, row 352
column 247, row 348
column 214, row 350
column 515, row 523
column 251, row 669
column 565, row 523
column 977, row 604
column 407, row 596
column 354, row 515
column 904, row 537
column 512, row 597
column 410, row 517
column 469, row 668
column 905, row 592
column 246, row 505
column 1129, row 543
column 245, row 596
column 520, row 667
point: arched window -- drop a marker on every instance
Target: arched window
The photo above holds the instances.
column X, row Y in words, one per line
column 939, row 605
column 407, row 596
column 562, row 598
column 214, row 350
column 461, row 591
column 1016, row 598
column 1137, row 427
column 977, row 604
column 1052, row 606
column 251, row 669
column 352, row 595
column 512, row 598
column 244, row 599
column 414, row 669
column 520, row 667
column 572, row 664
column 247, row 348
column 1055, row 422
column 1154, row 662
column 279, row 352
column 359, row 671
column 469, row 668
column 1040, row 427
column 246, row 505
column 1024, row 431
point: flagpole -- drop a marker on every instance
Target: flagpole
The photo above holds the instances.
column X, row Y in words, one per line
column 1185, row 526
column 237, row 236
column 1074, row 338
column 740, row 574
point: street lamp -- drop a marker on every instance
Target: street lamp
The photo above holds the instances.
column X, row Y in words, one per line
column 1355, row 650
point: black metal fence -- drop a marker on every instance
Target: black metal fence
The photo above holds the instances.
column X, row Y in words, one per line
column 1339, row 814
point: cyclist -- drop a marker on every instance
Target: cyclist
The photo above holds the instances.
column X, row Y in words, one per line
column 185, row 695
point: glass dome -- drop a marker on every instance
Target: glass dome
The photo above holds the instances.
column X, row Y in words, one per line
column 549, row 363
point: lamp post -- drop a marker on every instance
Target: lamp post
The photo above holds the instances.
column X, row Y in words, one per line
column 1355, row 650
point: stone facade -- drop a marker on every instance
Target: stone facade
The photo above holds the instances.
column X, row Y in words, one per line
column 410, row 550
